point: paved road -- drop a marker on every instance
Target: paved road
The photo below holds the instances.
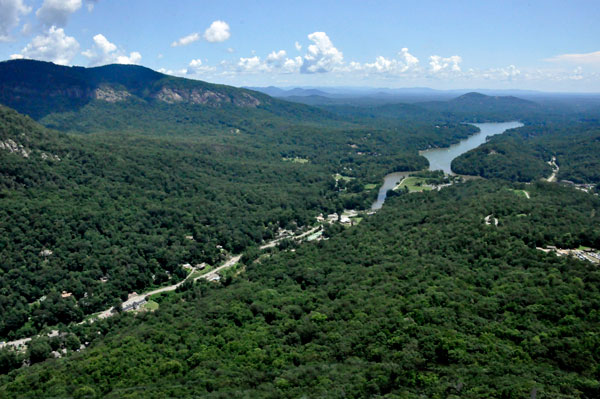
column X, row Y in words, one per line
column 555, row 169
column 210, row 275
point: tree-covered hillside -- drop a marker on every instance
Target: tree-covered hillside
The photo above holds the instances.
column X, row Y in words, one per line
column 124, row 175
column 115, row 209
column 423, row 299
column 524, row 154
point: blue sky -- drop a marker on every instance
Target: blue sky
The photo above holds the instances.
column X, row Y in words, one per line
column 545, row 45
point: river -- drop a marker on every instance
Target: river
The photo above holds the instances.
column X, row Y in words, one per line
column 441, row 158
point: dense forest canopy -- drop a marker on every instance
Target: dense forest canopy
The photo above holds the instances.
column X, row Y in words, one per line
column 114, row 206
column 423, row 298
column 524, row 154
column 120, row 175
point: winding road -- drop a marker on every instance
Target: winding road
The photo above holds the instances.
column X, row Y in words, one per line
column 555, row 170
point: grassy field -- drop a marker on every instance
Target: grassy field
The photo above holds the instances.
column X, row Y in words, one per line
column 150, row 306
column 414, row 184
column 370, row 186
column 337, row 176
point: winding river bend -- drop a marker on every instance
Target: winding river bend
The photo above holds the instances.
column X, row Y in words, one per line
column 441, row 158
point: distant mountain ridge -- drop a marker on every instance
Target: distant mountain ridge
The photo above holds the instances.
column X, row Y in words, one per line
column 483, row 107
column 113, row 97
column 38, row 88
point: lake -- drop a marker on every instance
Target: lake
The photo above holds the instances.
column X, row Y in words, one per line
column 441, row 158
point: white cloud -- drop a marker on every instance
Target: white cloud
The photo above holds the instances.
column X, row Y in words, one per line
column 251, row 64
column 104, row 52
column 218, row 31
column 133, row 58
column 292, row 65
column 165, row 71
column 54, row 45
column 441, row 65
column 230, row 50
column 276, row 56
column 184, row 41
column 11, row 12
column 57, row 12
column 195, row 67
column 103, row 44
column 577, row 74
column 381, row 64
column 410, row 61
column 584, row 58
column 322, row 56
column 509, row 73
column 388, row 66
column 298, row 46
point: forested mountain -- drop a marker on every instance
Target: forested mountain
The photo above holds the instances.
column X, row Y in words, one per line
column 105, row 98
column 477, row 107
column 113, row 211
column 421, row 300
column 524, row 154
column 114, row 208
column 121, row 175
column 38, row 88
column 470, row 107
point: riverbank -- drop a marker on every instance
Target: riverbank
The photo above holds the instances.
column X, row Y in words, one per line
column 441, row 158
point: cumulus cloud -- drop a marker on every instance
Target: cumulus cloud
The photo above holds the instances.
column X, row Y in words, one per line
column 322, row 56
column 11, row 12
column 276, row 56
column 390, row 66
column 298, row 46
column 583, row 58
column 251, row 64
column 275, row 62
column 218, row 31
column 104, row 52
column 57, row 12
column 184, row 41
column 410, row 60
column 292, row 65
column 54, row 45
column 195, row 67
column 381, row 64
column 440, row 64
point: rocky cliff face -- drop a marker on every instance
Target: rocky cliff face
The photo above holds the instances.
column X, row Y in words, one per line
column 204, row 97
column 40, row 88
column 12, row 146
column 109, row 94
column 165, row 94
